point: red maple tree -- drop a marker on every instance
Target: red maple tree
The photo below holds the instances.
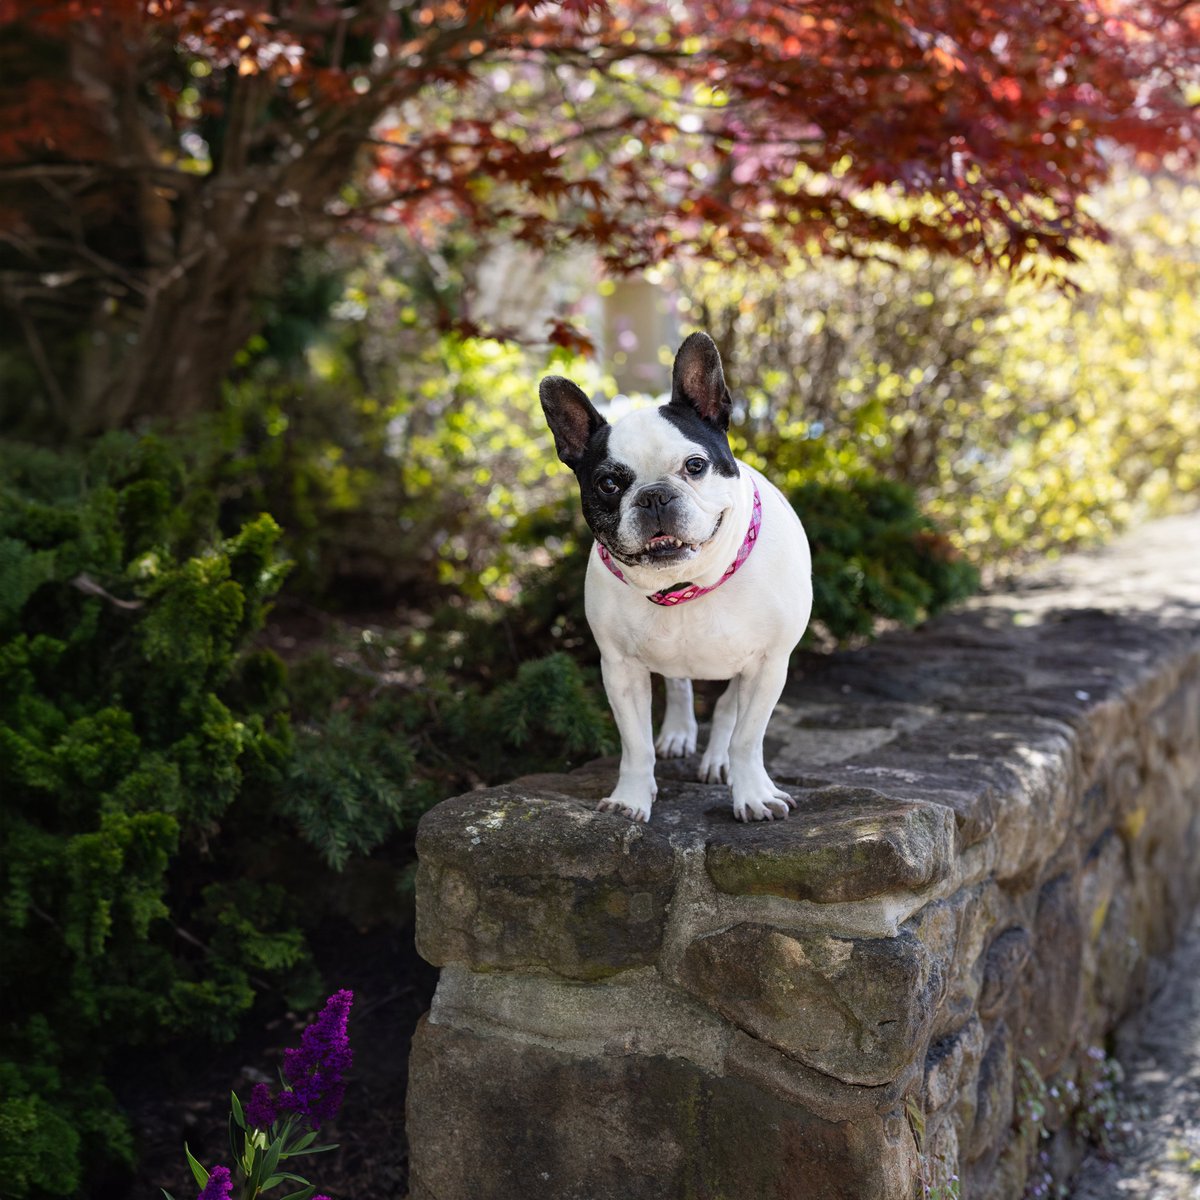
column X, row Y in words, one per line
column 157, row 155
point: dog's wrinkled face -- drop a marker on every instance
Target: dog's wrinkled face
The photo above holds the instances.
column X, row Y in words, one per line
column 656, row 485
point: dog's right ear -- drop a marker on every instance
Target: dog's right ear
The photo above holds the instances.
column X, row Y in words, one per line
column 571, row 417
column 698, row 382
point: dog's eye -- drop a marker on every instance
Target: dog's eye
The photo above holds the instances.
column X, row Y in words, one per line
column 607, row 485
column 695, row 465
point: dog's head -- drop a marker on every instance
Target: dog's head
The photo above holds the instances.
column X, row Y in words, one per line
column 657, row 485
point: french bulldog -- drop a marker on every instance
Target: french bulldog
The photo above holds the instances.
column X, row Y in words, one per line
column 700, row 570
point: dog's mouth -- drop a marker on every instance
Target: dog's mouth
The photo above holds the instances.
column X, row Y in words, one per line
column 664, row 546
column 662, row 550
column 665, row 549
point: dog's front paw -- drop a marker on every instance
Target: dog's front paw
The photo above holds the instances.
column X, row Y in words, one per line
column 676, row 741
column 635, row 812
column 629, row 803
column 760, row 800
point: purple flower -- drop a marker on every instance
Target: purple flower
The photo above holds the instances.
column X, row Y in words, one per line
column 260, row 1108
column 219, row 1185
column 315, row 1071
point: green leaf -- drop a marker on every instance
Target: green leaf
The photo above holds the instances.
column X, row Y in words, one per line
column 271, row 1159
column 300, row 1144
column 198, row 1172
column 236, row 1105
column 280, row 1176
column 254, row 1176
column 303, row 1194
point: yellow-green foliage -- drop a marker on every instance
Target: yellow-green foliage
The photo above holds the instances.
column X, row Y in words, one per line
column 405, row 484
column 427, row 473
column 1027, row 418
column 476, row 448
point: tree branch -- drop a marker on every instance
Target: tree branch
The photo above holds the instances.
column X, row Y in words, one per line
column 58, row 400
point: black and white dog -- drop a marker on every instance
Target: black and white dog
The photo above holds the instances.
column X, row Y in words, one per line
column 701, row 570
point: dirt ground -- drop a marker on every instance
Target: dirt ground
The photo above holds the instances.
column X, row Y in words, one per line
column 1161, row 1056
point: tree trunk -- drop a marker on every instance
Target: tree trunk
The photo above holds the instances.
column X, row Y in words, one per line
column 135, row 288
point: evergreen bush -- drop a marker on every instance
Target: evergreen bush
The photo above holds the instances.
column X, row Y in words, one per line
column 122, row 751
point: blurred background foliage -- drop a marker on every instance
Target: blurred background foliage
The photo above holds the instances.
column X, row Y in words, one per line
column 1026, row 419
column 239, row 657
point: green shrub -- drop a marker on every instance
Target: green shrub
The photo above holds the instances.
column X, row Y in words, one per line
column 407, row 493
column 155, row 769
column 122, row 753
column 546, row 713
column 448, row 726
column 876, row 556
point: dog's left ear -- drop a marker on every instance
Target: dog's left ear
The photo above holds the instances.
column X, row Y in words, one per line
column 698, row 382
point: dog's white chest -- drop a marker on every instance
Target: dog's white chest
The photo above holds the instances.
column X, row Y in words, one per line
column 697, row 640
column 759, row 611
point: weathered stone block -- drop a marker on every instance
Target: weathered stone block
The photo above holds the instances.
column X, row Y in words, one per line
column 512, row 881
column 951, row 1067
column 793, row 1082
column 993, row 1094
column 856, row 1009
column 842, row 844
column 492, row 1119
column 958, row 930
column 1006, row 959
column 1051, row 1007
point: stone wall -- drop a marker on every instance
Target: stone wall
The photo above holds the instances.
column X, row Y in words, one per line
column 997, row 837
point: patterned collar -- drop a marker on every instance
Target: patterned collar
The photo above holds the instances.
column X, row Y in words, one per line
column 693, row 591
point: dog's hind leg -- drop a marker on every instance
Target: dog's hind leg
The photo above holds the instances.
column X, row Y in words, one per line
column 714, row 766
column 677, row 737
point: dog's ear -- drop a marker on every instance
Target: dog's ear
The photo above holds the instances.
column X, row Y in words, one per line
column 698, row 382
column 571, row 417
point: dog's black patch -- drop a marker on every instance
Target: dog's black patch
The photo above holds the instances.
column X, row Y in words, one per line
column 707, row 436
column 602, row 513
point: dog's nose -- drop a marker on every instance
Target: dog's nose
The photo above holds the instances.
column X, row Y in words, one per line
column 654, row 498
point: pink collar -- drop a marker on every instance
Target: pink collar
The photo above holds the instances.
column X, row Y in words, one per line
column 692, row 591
